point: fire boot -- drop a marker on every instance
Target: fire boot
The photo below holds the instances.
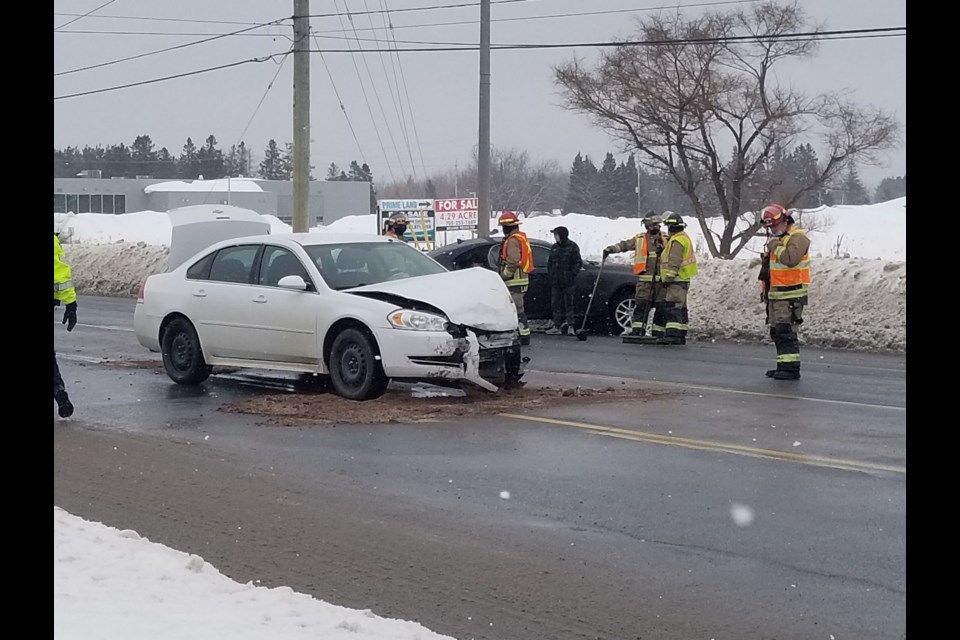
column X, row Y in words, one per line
column 786, row 374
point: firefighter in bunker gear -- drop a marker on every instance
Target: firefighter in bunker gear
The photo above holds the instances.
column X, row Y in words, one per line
column 647, row 248
column 784, row 287
column 516, row 262
column 678, row 266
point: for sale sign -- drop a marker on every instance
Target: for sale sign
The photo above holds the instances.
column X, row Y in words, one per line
column 456, row 213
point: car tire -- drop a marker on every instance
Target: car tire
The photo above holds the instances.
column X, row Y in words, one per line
column 182, row 355
column 355, row 371
column 621, row 310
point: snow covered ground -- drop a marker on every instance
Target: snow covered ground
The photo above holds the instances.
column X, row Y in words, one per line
column 857, row 298
column 110, row 584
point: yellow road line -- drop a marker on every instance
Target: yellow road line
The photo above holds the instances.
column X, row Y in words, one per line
column 707, row 445
column 685, row 385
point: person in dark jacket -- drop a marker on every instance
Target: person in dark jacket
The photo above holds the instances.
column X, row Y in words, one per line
column 562, row 269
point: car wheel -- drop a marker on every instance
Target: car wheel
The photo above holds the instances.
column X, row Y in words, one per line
column 355, row 372
column 182, row 355
column 621, row 310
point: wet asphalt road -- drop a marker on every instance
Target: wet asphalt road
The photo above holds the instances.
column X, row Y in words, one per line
column 618, row 521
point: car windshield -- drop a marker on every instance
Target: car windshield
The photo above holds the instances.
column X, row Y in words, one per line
column 345, row 266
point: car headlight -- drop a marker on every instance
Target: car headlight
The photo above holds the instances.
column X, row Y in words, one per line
column 416, row 320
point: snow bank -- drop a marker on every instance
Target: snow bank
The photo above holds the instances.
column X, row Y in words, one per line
column 857, row 301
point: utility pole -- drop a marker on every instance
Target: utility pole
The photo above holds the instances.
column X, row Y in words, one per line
column 456, row 179
column 483, row 151
column 301, row 115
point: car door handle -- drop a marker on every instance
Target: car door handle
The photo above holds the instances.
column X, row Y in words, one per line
column 199, row 293
column 260, row 299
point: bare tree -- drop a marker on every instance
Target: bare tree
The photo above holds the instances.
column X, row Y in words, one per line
column 698, row 87
column 516, row 183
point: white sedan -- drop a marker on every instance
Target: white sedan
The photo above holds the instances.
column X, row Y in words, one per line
column 361, row 309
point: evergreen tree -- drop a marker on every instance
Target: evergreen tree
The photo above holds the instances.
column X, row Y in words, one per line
column 335, row 174
column 805, row 168
column 188, row 166
column 365, row 170
column 166, row 165
column 627, row 197
column 210, row 160
column 117, row 162
column 582, row 186
column 272, row 166
column 607, row 195
column 890, row 188
column 853, row 189
column 144, row 157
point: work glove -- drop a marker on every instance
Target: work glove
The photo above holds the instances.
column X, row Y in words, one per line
column 70, row 316
column 772, row 244
column 56, row 302
column 606, row 252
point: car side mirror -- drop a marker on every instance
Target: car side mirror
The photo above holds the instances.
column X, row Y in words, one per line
column 292, row 282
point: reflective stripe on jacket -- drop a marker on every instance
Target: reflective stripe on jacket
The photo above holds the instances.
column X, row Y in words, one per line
column 514, row 269
column 787, row 283
column 687, row 268
column 62, row 279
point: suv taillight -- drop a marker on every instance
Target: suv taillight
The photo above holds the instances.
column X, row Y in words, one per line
column 140, row 292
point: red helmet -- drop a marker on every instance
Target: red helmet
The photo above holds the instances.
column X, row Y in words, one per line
column 773, row 214
column 508, row 219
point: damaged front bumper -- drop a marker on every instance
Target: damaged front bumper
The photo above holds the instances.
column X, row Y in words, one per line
column 487, row 359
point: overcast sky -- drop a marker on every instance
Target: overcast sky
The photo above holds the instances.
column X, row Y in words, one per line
column 235, row 104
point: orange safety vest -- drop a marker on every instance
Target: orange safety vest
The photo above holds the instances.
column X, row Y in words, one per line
column 526, row 259
column 789, row 282
column 640, row 255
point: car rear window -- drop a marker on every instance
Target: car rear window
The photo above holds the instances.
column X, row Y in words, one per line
column 200, row 270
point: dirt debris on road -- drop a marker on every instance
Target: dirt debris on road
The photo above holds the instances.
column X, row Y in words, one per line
column 401, row 406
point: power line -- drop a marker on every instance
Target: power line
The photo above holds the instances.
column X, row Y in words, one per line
column 395, row 98
column 179, row 46
column 250, row 121
column 165, row 78
column 363, row 90
column 342, row 107
column 847, row 34
column 442, row 6
column 567, row 15
column 84, row 15
column 264, row 96
column 376, row 94
column 112, row 17
column 439, row 24
column 403, row 78
column 171, row 33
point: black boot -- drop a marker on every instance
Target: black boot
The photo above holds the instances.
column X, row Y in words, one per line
column 786, row 375
column 64, row 406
